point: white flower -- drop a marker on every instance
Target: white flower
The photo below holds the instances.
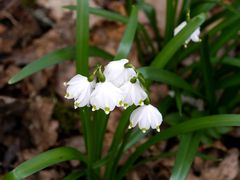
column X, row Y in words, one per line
column 194, row 36
column 106, row 96
column 116, row 73
column 79, row 89
column 146, row 116
column 133, row 94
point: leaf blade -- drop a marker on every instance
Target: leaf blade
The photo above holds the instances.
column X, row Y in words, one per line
column 174, row 44
column 44, row 160
column 129, row 34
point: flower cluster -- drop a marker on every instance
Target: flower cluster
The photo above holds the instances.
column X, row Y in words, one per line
column 119, row 85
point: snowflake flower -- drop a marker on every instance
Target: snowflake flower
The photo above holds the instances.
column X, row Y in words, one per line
column 79, row 89
column 146, row 116
column 133, row 94
column 106, row 96
column 116, row 73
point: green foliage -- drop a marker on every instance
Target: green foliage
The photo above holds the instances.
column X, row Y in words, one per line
column 211, row 77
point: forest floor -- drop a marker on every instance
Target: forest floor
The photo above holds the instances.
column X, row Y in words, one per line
column 34, row 116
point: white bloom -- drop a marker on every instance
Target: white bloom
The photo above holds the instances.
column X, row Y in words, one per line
column 106, row 96
column 194, row 36
column 133, row 94
column 116, row 73
column 79, row 89
column 146, row 116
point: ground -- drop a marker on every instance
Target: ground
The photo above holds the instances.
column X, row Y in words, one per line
column 34, row 116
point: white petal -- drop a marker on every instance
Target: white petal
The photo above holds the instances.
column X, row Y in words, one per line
column 146, row 116
column 195, row 35
column 116, row 73
column 79, row 89
column 179, row 27
column 106, row 96
column 76, row 79
column 133, row 93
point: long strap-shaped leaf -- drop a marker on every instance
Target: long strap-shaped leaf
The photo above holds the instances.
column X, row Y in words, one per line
column 186, row 152
column 175, row 43
column 129, row 34
column 185, row 127
column 52, row 58
column 104, row 13
column 44, row 160
column 164, row 76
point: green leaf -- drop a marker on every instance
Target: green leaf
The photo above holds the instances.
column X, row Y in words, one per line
column 52, row 58
column 185, row 127
column 82, row 37
column 170, row 19
column 226, row 35
column 151, row 15
column 175, row 43
column 207, row 71
column 231, row 61
column 179, row 103
column 103, row 13
column 129, row 34
column 186, row 152
column 74, row 175
column 164, row 76
column 122, row 125
column 44, row 160
column 229, row 81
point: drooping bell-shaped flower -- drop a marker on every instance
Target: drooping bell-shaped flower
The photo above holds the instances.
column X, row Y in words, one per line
column 106, row 96
column 133, row 94
column 194, row 36
column 146, row 116
column 79, row 88
column 116, row 73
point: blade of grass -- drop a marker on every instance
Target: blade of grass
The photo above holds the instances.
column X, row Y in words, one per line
column 231, row 61
column 160, row 75
column 184, row 9
column 226, row 35
column 185, row 127
column 55, row 57
column 229, row 82
column 185, row 155
column 82, row 36
column 174, row 44
column 75, row 175
column 170, row 20
column 203, row 6
column 103, row 13
column 129, row 34
column 151, row 15
column 207, row 71
column 44, row 160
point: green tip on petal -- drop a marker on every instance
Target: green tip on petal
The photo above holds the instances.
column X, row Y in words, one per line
column 141, row 102
column 125, row 105
column 120, row 103
column 144, row 130
column 130, row 126
column 185, row 45
column 93, row 108
column 66, row 95
column 76, row 104
column 158, row 129
column 65, row 84
column 107, row 110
